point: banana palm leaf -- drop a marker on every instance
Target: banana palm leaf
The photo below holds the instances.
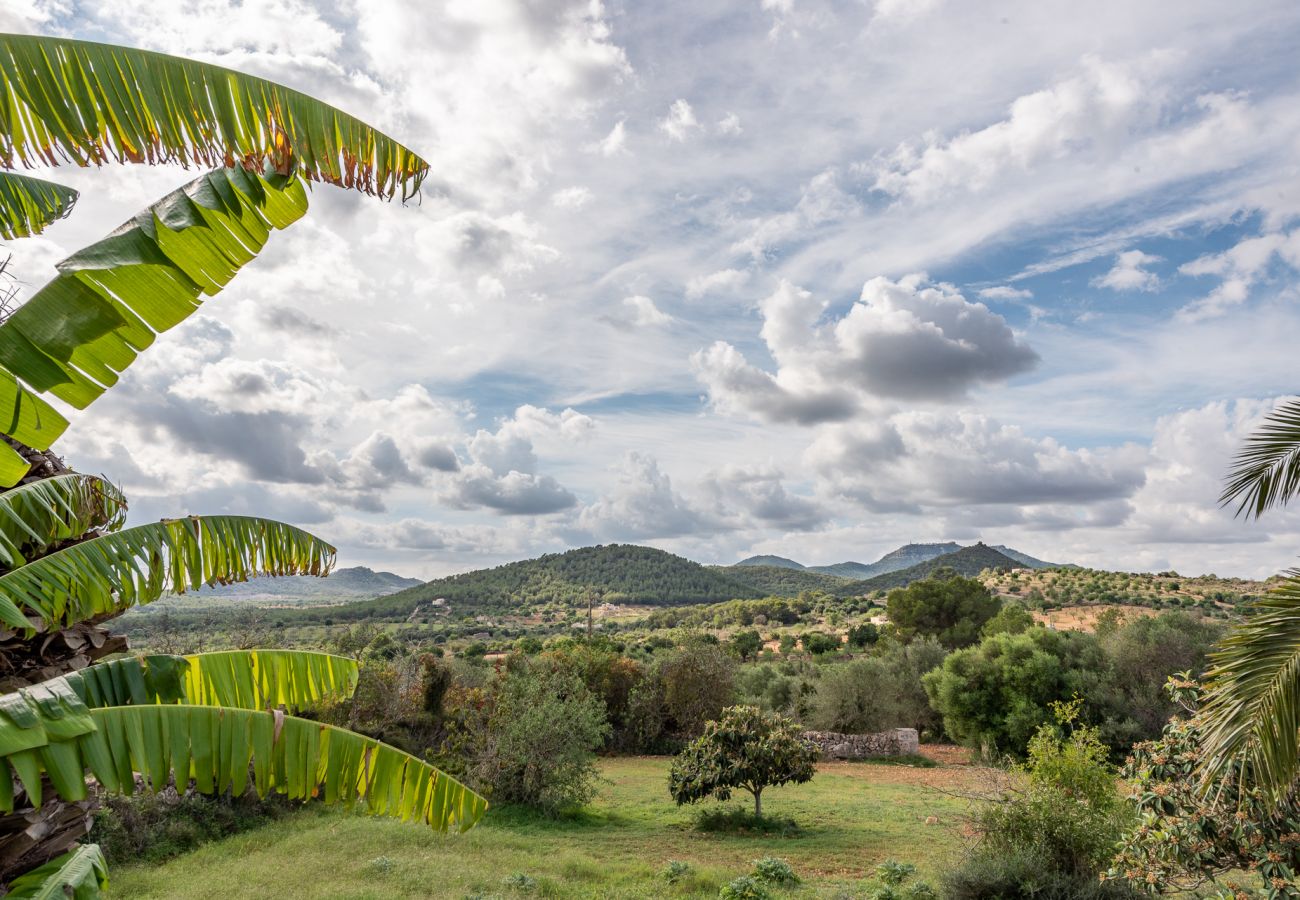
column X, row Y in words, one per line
column 34, row 517
column 1266, row 471
column 243, row 679
column 109, row 300
column 81, row 874
column 1251, row 711
column 29, row 205
column 215, row 746
column 114, row 572
column 84, row 102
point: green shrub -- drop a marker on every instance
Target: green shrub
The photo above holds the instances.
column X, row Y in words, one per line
column 746, row 887
column 537, row 745
column 743, row 821
column 774, row 871
column 1022, row 874
column 518, row 881
column 892, row 872
column 676, row 870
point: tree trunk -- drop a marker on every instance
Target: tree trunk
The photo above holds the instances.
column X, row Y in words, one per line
column 758, row 803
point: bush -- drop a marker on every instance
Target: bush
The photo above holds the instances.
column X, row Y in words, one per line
column 746, row 887
column 774, row 871
column 538, row 741
column 746, row 749
column 945, row 606
column 676, row 870
column 149, row 827
column 1059, row 829
column 878, row 692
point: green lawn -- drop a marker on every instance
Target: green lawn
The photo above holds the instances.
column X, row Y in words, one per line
column 852, row 817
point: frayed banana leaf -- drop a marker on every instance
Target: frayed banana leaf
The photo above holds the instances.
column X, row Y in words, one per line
column 36, row 516
column 111, row 299
column 81, row 874
column 29, row 205
column 1251, row 710
column 88, row 103
column 115, row 572
column 215, row 747
column 243, row 679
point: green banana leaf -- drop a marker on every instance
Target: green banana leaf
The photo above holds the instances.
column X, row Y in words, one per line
column 134, row 566
column 39, row 515
column 29, row 205
column 87, row 103
column 80, row 874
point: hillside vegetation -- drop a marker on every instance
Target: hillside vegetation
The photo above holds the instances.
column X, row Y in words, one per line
column 779, row 581
column 613, row 573
column 968, row 561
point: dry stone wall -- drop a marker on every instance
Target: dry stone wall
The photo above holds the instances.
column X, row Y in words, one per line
column 899, row 742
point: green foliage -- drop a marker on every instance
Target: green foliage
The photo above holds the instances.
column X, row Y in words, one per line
column 521, row 882
column 153, row 827
column 1020, row 875
column 676, row 870
column 968, row 561
column 946, row 606
column 819, row 643
column 893, row 872
column 781, row 581
column 539, row 738
column 1012, row 618
column 1066, row 814
column 774, row 871
column 879, row 692
column 746, row 643
column 697, row 683
column 996, row 695
column 1186, row 835
column 746, row 887
column 864, row 635
column 80, row 874
column 893, row 876
column 746, row 748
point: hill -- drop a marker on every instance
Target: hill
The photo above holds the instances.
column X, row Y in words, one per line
column 777, row 561
column 844, row 570
column 342, row 585
column 1026, row 560
column 613, row 573
column 782, row 581
column 968, row 561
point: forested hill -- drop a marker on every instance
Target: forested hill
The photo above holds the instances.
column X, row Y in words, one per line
column 778, row 561
column 969, row 561
column 614, row 573
column 782, row 581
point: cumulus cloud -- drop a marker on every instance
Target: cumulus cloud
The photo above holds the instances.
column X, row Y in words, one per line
column 680, row 122
column 722, row 281
column 902, row 340
column 1238, row 269
column 753, row 495
column 918, row 460
column 645, row 313
column 642, row 506
column 1128, row 273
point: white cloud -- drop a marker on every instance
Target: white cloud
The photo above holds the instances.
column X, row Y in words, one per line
column 645, row 313
column 1239, row 268
column 1006, row 292
column 730, row 125
column 1128, row 273
column 904, row 340
column 613, row 143
column 571, row 197
column 680, row 121
column 722, row 281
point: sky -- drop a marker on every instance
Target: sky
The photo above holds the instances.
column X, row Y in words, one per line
column 747, row 276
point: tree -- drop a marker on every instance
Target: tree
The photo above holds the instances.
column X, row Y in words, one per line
column 880, row 691
column 67, row 564
column 1012, row 618
column 746, row 748
column 864, row 635
column 1186, row 836
column 1251, row 712
column 746, row 643
column 945, row 605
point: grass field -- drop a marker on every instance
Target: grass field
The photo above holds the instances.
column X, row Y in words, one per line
column 852, row 817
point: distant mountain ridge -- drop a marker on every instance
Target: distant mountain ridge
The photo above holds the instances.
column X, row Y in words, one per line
column 968, row 561
column 342, row 585
column 897, row 560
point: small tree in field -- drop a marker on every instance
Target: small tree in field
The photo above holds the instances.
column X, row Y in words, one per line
column 746, row 748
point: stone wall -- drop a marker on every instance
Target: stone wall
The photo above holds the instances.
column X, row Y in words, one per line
column 899, row 742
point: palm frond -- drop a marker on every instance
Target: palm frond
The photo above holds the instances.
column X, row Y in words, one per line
column 1251, row 710
column 81, row 874
column 110, row 300
column 243, row 679
column 34, row 517
column 114, row 572
column 1266, row 470
column 215, row 746
column 87, row 103
column 29, row 205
